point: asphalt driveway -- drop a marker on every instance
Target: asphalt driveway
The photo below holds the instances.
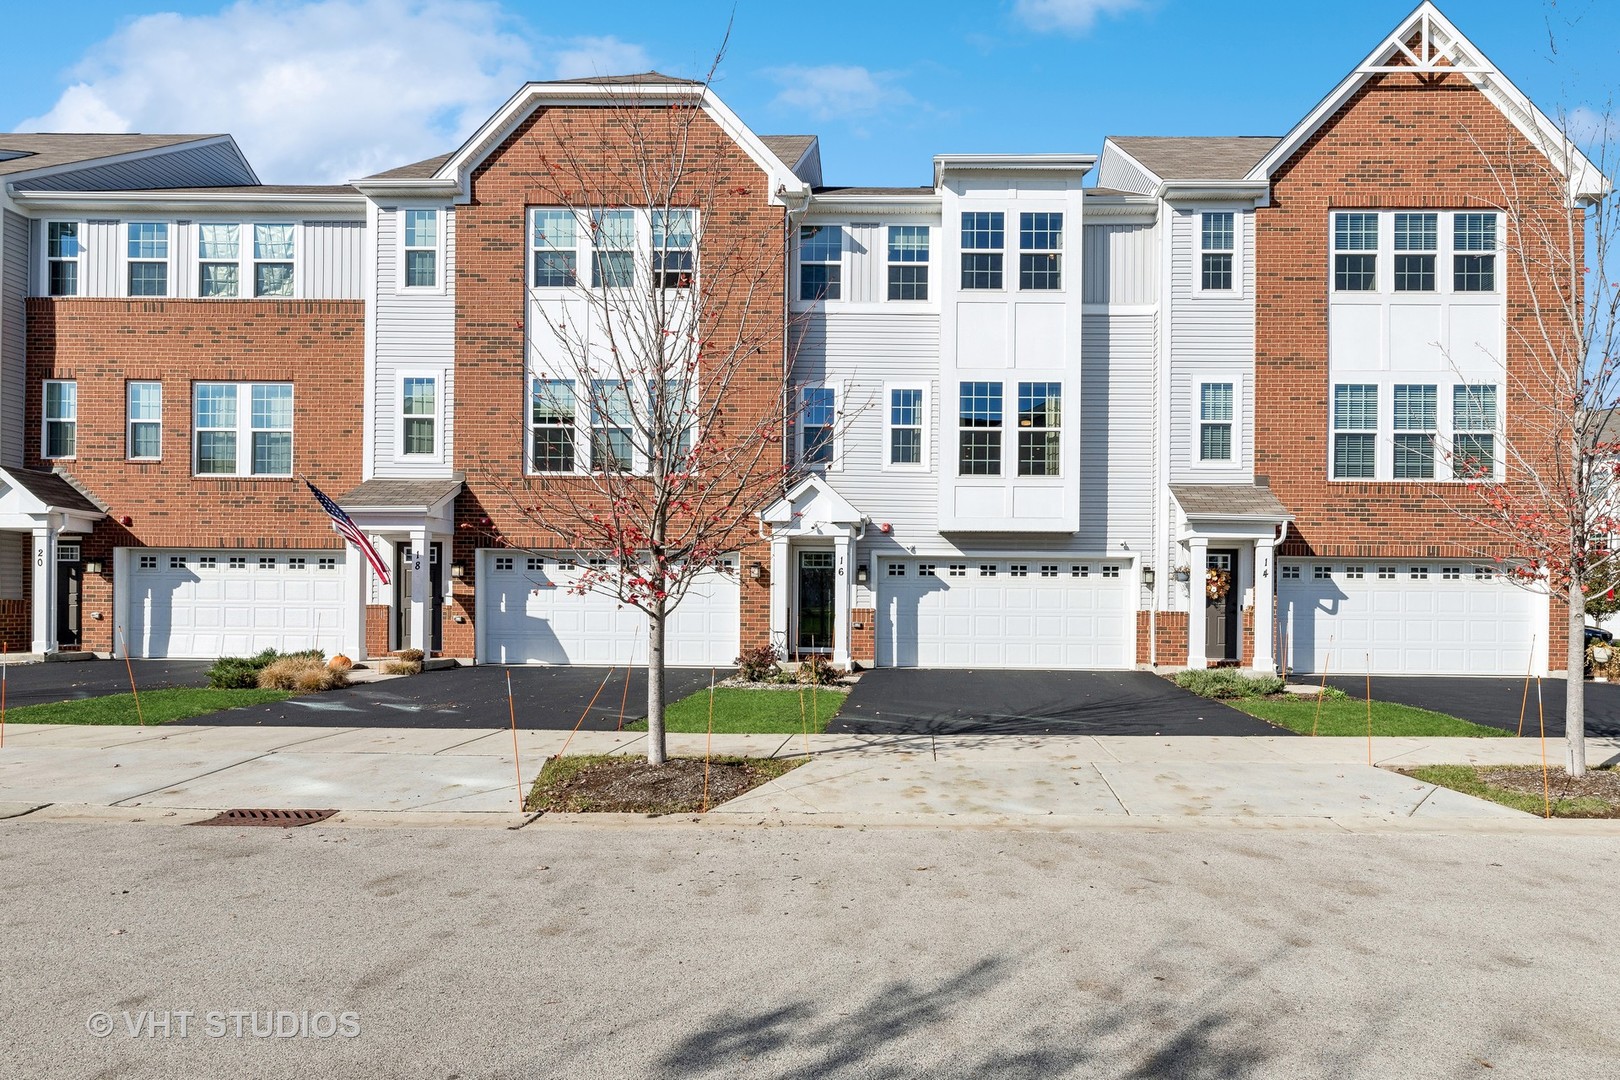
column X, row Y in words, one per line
column 1492, row 702
column 41, row 683
column 891, row 701
column 547, row 698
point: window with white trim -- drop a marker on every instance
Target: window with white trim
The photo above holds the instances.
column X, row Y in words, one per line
column 984, row 239
column 273, row 260
column 421, row 250
column 1417, row 239
column 1415, row 429
column 61, row 426
column 1040, row 428
column 418, row 415
column 611, row 446
column 674, row 248
column 1416, row 243
column 821, row 262
column 62, row 258
column 1040, row 251
column 1473, row 440
column 979, row 425
column 671, row 413
column 1217, row 247
column 144, row 408
column 1473, row 262
column 219, row 260
column 1355, row 431
column 905, row 424
column 613, row 249
column 1215, row 421
column 908, row 262
column 148, row 258
column 1355, row 252
column 551, row 425
column 818, row 412
column 242, row 429
column 553, row 249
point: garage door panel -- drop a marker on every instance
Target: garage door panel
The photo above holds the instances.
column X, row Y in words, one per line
column 195, row 604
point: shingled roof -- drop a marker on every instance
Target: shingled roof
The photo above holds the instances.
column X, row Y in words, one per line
column 416, row 170
column 45, row 150
column 1230, row 500
column 1197, row 157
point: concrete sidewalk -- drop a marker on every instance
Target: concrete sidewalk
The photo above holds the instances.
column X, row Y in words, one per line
column 429, row 776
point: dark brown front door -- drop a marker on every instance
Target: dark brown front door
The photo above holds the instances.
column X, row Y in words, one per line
column 1221, row 616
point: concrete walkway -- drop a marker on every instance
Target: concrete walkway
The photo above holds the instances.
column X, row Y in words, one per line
column 439, row 776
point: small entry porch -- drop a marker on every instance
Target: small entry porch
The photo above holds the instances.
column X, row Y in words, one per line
column 44, row 520
column 411, row 523
column 1228, row 534
column 813, row 532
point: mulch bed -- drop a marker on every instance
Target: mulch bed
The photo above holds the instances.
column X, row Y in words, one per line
column 1526, row 780
column 625, row 785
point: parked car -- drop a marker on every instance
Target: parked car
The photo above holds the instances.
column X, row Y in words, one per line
column 1598, row 636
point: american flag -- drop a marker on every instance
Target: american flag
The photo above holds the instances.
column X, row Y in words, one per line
column 345, row 525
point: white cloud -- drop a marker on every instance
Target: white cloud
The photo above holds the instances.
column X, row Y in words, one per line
column 836, row 91
column 1594, row 130
column 1070, row 16
column 321, row 90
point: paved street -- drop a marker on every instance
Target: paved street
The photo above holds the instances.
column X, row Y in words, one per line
column 683, row 950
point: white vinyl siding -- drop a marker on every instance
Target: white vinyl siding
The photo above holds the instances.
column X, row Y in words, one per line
column 14, row 286
column 1121, row 264
column 414, row 331
column 1211, row 340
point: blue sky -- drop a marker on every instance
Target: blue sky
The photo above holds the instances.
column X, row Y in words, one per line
column 319, row 90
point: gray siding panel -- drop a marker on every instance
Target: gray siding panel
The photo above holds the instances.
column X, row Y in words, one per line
column 199, row 166
column 98, row 259
column 13, row 339
column 1114, row 171
column 334, row 260
column 1121, row 264
column 415, row 331
column 1116, row 432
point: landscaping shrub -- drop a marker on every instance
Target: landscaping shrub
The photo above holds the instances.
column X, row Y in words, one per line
column 408, row 662
column 302, row 673
column 817, row 670
column 1225, row 683
column 758, row 664
column 242, row 672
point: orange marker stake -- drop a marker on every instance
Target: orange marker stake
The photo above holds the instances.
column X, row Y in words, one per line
column 1524, row 699
column 511, row 709
column 586, row 713
column 708, row 748
column 1320, row 694
column 123, row 648
column 1546, row 785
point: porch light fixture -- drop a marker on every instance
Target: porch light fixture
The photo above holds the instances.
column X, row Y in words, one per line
column 861, row 575
column 457, row 570
column 1149, row 576
column 755, row 571
column 92, row 566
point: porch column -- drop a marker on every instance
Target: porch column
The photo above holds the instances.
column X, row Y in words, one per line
column 44, row 589
column 356, row 572
column 1265, row 606
column 781, row 581
column 421, row 627
column 843, row 585
column 1197, row 601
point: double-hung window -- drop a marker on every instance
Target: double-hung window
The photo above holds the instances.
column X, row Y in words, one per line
column 1473, row 262
column 552, row 425
column 1040, row 251
column 611, row 418
column 61, row 427
column 906, row 404
column 418, row 415
column 1473, row 424
column 1415, row 429
column 242, row 429
column 1215, row 421
column 908, row 262
column 148, row 258
column 1355, row 252
column 1417, row 237
column 1040, row 428
column 144, row 405
column 1217, row 252
column 984, row 236
column 273, row 260
column 553, row 249
column 818, row 413
column 672, row 415
column 421, row 249
column 821, row 262
column 219, row 260
column 674, row 248
column 62, row 258
column 1355, row 431
column 613, row 249
column 979, row 420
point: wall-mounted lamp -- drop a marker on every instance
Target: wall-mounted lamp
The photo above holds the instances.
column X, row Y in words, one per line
column 861, row 575
column 457, row 570
column 1149, row 576
column 755, row 571
column 92, row 566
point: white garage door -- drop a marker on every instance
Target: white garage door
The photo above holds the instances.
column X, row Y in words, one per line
column 1427, row 618
column 1004, row 614
column 531, row 615
column 207, row 604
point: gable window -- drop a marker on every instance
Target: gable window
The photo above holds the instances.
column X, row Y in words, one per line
column 144, row 406
column 1355, row 428
column 1040, row 422
column 1473, row 264
column 1217, row 246
column 242, row 429
column 908, row 262
column 1416, row 239
column 821, row 262
column 148, row 258
column 419, row 415
column 552, row 425
column 61, row 428
column 421, row 249
column 1414, row 432
column 984, row 235
column 906, row 425
column 674, row 249
column 979, row 429
column 1215, row 421
column 1473, row 441
column 818, row 410
column 219, row 260
column 62, row 258
column 553, row 242
column 610, row 426
column 1355, row 252
column 272, row 260
column 613, row 246
column 1040, row 251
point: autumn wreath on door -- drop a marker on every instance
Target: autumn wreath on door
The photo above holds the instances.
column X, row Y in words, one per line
column 1217, row 583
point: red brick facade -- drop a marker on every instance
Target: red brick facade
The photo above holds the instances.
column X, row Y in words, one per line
column 1172, row 635
column 863, row 636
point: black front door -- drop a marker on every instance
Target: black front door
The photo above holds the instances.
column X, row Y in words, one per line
column 69, row 584
column 1221, row 615
column 814, row 623
column 404, row 592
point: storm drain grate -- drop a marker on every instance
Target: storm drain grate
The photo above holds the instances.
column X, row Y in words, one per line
column 286, row 819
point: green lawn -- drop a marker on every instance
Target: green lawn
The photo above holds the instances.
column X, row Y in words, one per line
column 1348, row 716
column 743, row 711
column 157, row 706
column 1475, row 781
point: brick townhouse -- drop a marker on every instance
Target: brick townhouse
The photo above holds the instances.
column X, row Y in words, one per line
column 1191, row 401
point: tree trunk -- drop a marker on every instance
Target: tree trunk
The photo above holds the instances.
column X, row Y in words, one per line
column 655, row 684
column 1575, row 684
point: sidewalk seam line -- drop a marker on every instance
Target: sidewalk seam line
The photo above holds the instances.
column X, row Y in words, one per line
column 190, row 779
column 1111, row 791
